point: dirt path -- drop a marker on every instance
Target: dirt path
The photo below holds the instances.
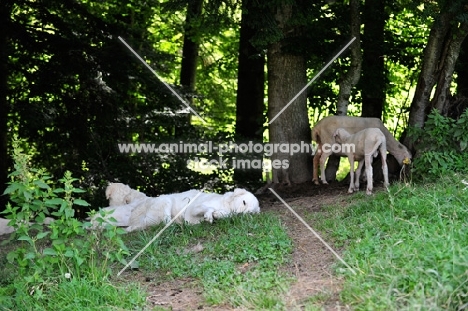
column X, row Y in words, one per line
column 311, row 261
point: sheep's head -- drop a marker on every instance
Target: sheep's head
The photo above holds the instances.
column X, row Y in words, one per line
column 340, row 134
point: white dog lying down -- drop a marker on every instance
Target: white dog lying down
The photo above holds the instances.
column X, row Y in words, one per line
column 137, row 212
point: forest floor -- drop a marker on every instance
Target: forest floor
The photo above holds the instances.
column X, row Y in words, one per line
column 311, row 263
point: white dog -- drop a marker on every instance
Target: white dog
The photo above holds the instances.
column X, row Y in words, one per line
column 136, row 211
column 122, row 201
column 199, row 206
column 120, row 194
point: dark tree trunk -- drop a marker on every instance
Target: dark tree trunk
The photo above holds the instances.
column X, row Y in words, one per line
column 351, row 78
column 286, row 77
column 5, row 11
column 427, row 80
column 250, row 94
column 373, row 78
column 442, row 95
column 462, row 70
column 188, row 69
column 440, row 55
column 348, row 81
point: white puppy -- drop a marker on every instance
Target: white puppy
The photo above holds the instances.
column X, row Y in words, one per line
column 199, row 206
column 120, row 194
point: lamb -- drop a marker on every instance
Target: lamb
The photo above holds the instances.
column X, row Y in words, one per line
column 323, row 131
column 367, row 144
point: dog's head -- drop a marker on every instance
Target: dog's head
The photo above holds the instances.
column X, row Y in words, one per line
column 121, row 194
column 242, row 201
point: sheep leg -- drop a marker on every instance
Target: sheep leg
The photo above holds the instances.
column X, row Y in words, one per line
column 358, row 175
column 368, row 159
column 351, row 173
column 316, row 162
column 383, row 155
column 323, row 158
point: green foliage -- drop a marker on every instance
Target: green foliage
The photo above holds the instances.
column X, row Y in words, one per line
column 408, row 247
column 441, row 145
column 235, row 259
column 63, row 250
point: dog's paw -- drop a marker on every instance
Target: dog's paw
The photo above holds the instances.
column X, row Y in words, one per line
column 209, row 217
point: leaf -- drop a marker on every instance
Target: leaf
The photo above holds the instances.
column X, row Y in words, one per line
column 81, row 202
column 78, row 190
column 12, row 256
column 42, row 235
column 25, row 238
column 49, row 251
column 463, row 145
column 11, row 188
column 54, row 201
column 41, row 184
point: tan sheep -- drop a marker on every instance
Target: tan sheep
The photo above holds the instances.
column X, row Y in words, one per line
column 367, row 144
column 323, row 131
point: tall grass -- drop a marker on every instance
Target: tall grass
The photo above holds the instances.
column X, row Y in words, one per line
column 410, row 247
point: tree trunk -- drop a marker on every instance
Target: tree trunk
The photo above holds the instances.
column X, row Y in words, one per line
column 462, row 71
column 250, row 94
column 439, row 55
column 286, row 77
column 351, row 78
column 449, row 58
column 373, row 79
column 188, row 69
column 426, row 80
column 5, row 11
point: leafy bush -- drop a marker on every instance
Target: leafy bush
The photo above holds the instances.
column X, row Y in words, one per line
column 64, row 250
column 440, row 145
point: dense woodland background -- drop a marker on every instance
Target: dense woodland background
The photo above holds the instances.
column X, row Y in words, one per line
column 73, row 91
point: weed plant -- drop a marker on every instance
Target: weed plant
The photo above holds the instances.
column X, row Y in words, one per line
column 441, row 146
column 48, row 264
column 409, row 247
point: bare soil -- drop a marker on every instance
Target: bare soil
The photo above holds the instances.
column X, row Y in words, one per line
column 311, row 263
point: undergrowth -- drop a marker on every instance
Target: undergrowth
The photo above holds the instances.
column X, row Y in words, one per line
column 44, row 265
column 441, row 146
column 409, row 246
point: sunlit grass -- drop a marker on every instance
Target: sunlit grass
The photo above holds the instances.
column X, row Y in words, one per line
column 409, row 246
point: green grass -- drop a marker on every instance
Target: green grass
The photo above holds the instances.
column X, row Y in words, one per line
column 238, row 264
column 409, row 247
column 75, row 294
